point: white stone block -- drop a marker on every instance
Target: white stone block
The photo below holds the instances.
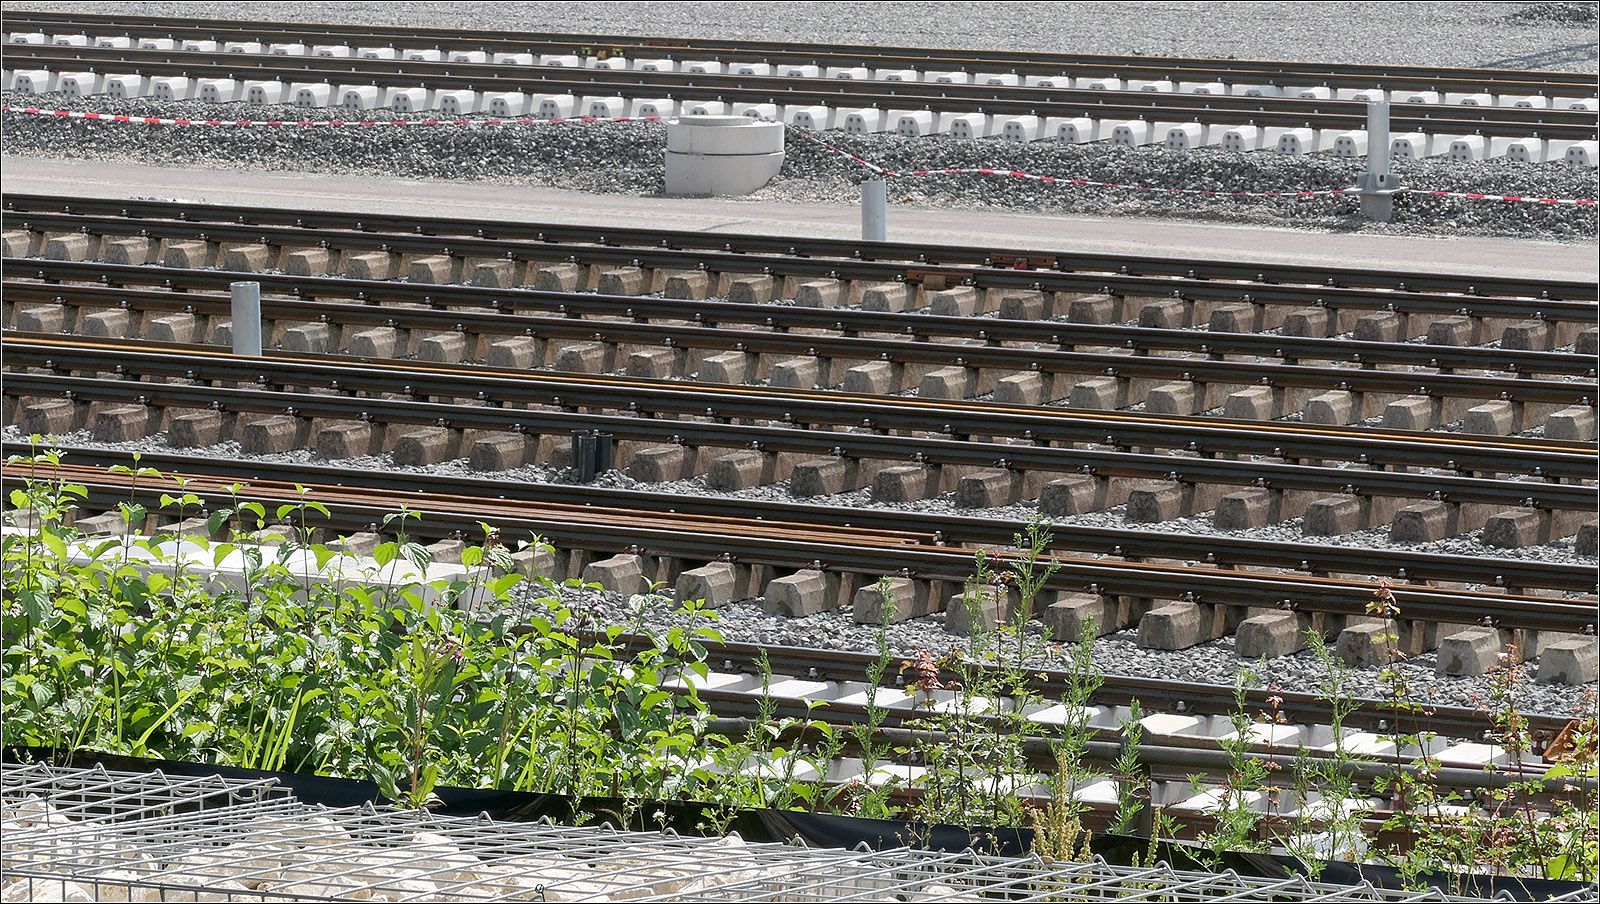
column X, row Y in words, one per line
column 957, row 77
column 1587, row 104
column 1474, row 755
column 1257, row 91
column 1241, row 139
column 1132, row 133
column 267, row 91
column 1467, row 148
column 158, row 44
column 1185, row 136
column 755, row 69
column 762, row 112
column 1153, row 86
column 721, row 155
column 1048, row 81
column 1418, row 97
column 506, row 104
column 861, row 120
column 1525, row 102
column 429, row 55
column 966, row 125
column 557, row 106
column 470, row 57
column 1072, row 130
column 458, row 102
column 655, row 65
column 799, row 70
column 333, row 51
column 410, row 100
column 310, row 95
column 1582, row 154
column 514, row 59
column 1173, row 724
column 1469, row 99
column 569, row 61
column 705, row 108
column 1315, row 92
column 658, row 107
column 896, row 75
column 1526, row 150
column 71, row 40
column 200, row 46
column 289, row 49
column 608, row 107
column 378, row 53
column 220, row 90
column 1100, row 83
column 1364, row 95
column 1021, row 128
column 125, row 86
column 1414, row 145
column 612, row 64
column 28, row 37
column 361, row 97
column 34, row 81
column 998, row 79
column 1294, row 142
column 244, row 47
column 115, row 42
column 81, row 84
column 912, row 123
column 1350, row 144
column 858, row 73
column 812, row 117
column 701, row 67
column 171, row 88
column 1214, row 88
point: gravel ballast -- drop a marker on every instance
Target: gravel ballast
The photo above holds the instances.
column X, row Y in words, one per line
column 627, row 158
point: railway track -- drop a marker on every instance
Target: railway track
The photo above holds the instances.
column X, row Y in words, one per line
column 698, row 87
column 916, row 257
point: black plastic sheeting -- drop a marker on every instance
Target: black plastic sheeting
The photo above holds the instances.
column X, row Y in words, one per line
column 815, row 829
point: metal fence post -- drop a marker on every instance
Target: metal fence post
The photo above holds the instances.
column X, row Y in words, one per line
column 1378, row 185
column 874, row 211
column 246, row 326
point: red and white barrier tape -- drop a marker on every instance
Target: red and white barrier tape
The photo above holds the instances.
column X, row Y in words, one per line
column 980, row 171
column 158, row 121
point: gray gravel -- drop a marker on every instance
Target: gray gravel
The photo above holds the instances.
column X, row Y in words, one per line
column 1119, row 653
column 626, row 158
column 1555, row 36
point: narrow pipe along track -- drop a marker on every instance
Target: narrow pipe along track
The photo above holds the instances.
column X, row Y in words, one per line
column 878, row 57
column 955, row 531
column 809, row 421
column 1288, row 112
column 725, row 326
column 856, row 554
column 1054, row 271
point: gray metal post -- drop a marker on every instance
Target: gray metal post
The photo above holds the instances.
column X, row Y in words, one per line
column 874, row 211
column 246, row 326
column 1378, row 184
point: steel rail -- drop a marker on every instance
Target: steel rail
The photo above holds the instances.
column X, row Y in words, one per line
column 800, row 547
column 365, row 301
column 802, row 267
column 920, row 255
column 1166, row 106
column 1515, row 387
column 655, row 400
column 945, row 529
column 1030, row 62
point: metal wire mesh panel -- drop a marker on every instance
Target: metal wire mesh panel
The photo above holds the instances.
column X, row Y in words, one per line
column 97, row 835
